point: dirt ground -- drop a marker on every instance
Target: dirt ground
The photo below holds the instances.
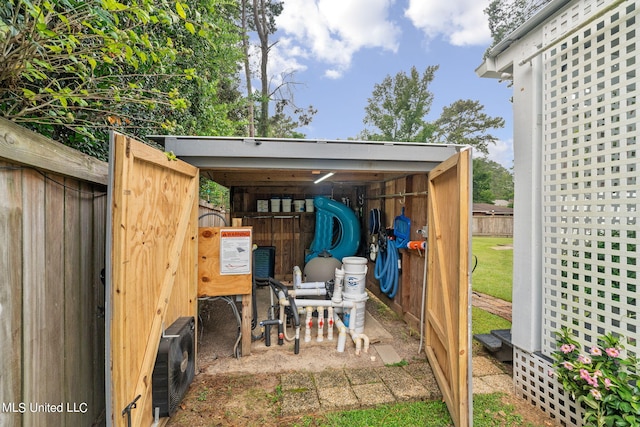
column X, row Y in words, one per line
column 228, row 391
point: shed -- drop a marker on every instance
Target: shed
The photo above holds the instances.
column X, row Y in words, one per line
column 574, row 70
column 430, row 182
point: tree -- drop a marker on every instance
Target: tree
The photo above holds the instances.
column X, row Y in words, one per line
column 244, row 26
column 464, row 122
column 284, row 126
column 264, row 14
column 72, row 69
column 505, row 16
column 491, row 181
column 398, row 107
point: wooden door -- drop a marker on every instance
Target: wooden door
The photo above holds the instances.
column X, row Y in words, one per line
column 151, row 267
column 447, row 317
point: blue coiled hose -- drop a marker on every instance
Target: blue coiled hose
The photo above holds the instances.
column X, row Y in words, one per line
column 386, row 270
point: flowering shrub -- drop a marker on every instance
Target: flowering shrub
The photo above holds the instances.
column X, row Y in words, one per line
column 604, row 382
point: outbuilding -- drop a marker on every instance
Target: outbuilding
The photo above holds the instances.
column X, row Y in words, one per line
column 430, row 184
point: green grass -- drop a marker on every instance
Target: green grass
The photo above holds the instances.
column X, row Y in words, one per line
column 488, row 411
column 483, row 322
column 493, row 274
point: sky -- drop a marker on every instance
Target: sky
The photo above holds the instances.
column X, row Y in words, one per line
column 337, row 50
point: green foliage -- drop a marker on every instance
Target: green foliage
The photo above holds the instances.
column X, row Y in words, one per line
column 491, row 181
column 283, row 125
column 604, row 382
column 214, row 193
column 465, row 123
column 73, row 69
column 506, row 15
column 398, row 107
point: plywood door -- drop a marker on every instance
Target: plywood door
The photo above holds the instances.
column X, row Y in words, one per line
column 447, row 319
column 152, row 267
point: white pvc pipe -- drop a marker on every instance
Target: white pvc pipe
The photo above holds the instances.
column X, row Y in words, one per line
column 320, row 324
column 360, row 340
column 342, row 335
column 308, row 324
column 310, row 285
column 337, row 286
column 319, row 303
column 308, row 292
column 330, row 323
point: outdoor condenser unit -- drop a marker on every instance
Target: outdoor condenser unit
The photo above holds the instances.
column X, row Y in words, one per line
column 175, row 366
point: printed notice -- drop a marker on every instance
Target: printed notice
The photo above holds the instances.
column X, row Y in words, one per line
column 235, row 251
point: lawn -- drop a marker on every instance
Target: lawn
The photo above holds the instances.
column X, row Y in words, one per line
column 493, row 273
column 488, row 411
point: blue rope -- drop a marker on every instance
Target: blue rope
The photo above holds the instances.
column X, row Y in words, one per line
column 386, row 269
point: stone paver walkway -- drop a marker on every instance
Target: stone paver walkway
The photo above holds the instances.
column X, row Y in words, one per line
column 345, row 389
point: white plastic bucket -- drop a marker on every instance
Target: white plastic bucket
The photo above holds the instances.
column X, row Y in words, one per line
column 298, row 205
column 275, row 205
column 263, row 206
column 355, row 276
column 309, row 205
column 286, row 204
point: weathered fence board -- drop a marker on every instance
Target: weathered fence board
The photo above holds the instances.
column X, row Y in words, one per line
column 52, row 232
column 11, row 360
column 499, row 226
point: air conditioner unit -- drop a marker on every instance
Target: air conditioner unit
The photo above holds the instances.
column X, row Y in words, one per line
column 175, row 366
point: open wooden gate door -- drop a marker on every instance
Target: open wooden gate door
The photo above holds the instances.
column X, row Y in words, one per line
column 447, row 335
column 151, row 268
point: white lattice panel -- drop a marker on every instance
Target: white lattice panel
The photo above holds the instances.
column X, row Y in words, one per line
column 533, row 384
column 591, row 179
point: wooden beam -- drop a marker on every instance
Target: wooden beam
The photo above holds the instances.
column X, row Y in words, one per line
column 23, row 146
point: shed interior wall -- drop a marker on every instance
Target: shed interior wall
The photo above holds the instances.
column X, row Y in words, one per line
column 291, row 233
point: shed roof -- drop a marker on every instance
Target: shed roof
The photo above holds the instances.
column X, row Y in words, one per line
column 236, row 161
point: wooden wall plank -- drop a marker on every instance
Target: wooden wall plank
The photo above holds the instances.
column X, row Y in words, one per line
column 11, row 354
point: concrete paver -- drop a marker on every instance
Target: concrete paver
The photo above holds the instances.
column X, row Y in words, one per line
column 403, row 386
column 337, row 398
column 362, row 376
column 300, row 402
column 370, row 395
column 388, row 354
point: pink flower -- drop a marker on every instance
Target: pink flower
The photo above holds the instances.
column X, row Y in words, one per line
column 568, row 366
column 607, row 383
column 592, row 381
column 595, row 351
column 584, row 359
column 567, row 348
column 612, row 352
column 597, row 373
column 596, row 394
column 584, row 374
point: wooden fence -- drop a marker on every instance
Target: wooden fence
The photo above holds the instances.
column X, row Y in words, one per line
column 498, row 226
column 52, row 239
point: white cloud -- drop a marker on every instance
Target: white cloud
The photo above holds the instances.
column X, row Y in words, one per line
column 502, row 152
column 332, row 31
column 460, row 22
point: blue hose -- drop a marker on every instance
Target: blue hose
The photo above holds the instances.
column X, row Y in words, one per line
column 386, row 270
